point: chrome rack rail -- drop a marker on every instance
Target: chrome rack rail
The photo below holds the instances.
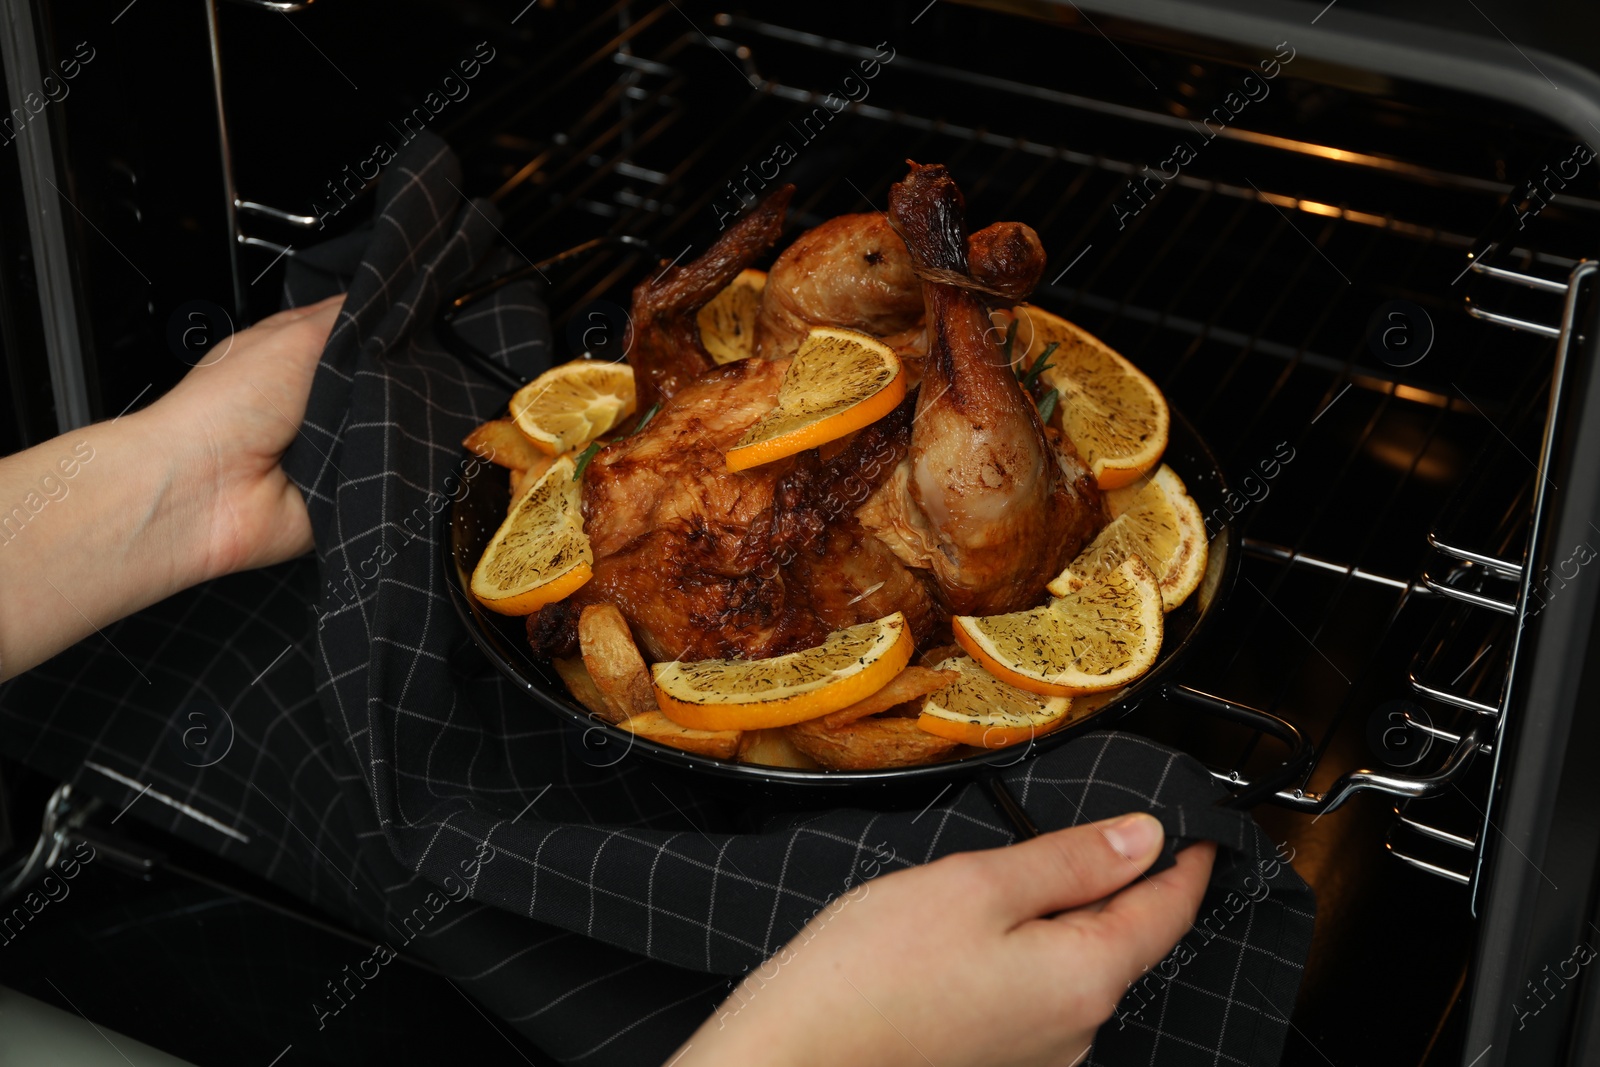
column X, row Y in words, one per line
column 1481, row 578
column 1429, row 832
column 235, row 205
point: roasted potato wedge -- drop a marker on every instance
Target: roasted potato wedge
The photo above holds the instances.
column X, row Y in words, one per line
column 868, row 744
column 583, row 689
column 773, row 748
column 501, row 443
column 654, row 726
column 614, row 661
column 912, row 683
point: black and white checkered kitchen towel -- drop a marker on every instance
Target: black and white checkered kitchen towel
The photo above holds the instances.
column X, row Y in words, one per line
column 379, row 769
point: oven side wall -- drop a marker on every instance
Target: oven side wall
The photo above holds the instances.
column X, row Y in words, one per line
column 1542, row 829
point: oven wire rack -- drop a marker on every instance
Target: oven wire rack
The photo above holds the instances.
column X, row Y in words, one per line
column 600, row 167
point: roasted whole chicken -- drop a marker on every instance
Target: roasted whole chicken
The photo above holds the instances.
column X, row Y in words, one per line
column 960, row 501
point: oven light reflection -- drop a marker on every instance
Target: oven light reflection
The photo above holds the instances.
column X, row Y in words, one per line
column 1320, row 209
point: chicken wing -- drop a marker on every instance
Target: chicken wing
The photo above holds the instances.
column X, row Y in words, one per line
column 664, row 340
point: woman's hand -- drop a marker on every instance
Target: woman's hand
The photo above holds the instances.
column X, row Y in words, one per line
column 1012, row 956
column 186, row 490
column 238, row 410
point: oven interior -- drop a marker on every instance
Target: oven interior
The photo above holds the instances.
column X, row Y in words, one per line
column 1385, row 479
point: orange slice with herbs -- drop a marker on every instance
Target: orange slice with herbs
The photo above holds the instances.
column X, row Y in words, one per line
column 1155, row 519
column 728, row 323
column 569, row 406
column 838, row 381
column 1098, row 637
column 1112, row 412
column 979, row 709
column 540, row 554
column 753, row 694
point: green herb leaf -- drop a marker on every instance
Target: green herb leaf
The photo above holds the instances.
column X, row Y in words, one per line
column 583, row 459
column 649, row 414
column 587, row 454
column 1047, row 405
column 1011, row 335
column 1040, row 365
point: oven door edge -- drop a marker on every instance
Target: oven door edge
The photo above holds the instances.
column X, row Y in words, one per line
column 1347, row 50
column 47, row 207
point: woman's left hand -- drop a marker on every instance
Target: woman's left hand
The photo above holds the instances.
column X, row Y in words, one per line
column 188, row 489
column 241, row 407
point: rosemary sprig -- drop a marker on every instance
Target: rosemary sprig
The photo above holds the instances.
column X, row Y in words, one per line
column 1011, row 335
column 1047, row 405
column 1040, row 365
column 649, row 413
column 583, row 459
column 587, row 454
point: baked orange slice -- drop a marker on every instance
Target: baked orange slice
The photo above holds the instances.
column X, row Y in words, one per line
column 1155, row 519
column 1098, row 637
column 540, row 554
column 569, row 406
column 1112, row 412
column 728, row 323
column 753, row 694
column 838, row 382
column 979, row 709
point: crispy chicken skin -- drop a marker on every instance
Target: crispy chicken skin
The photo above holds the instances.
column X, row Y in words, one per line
column 664, row 345
column 986, row 500
column 667, row 521
column 707, row 562
column 854, row 271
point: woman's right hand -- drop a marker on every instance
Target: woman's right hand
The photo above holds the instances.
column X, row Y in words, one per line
column 1011, row 956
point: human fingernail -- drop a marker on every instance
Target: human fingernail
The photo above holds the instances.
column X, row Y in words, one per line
column 1135, row 836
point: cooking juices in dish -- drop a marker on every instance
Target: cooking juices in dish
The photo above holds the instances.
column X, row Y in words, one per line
column 819, row 484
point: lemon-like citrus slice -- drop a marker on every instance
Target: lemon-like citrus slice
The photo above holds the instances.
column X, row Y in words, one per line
column 540, row 554
column 728, row 323
column 1099, row 637
column 979, row 709
column 569, row 406
column 1113, row 414
column 1156, row 520
column 751, row 694
column 838, row 382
